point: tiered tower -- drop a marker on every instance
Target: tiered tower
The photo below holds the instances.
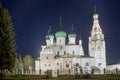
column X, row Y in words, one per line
column 96, row 44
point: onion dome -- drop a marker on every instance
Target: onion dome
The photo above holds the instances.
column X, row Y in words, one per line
column 61, row 32
column 49, row 35
column 72, row 34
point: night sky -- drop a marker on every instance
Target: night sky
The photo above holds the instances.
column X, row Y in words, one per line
column 32, row 18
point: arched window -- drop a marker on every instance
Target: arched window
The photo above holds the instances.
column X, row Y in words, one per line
column 60, row 41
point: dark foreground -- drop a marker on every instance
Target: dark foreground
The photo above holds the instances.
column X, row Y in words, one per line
column 79, row 77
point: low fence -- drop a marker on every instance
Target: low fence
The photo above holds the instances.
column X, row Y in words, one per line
column 38, row 72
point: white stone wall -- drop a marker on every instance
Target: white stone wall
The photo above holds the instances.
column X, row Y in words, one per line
column 37, row 66
column 87, row 64
column 71, row 49
column 72, row 40
column 60, row 40
column 97, row 48
column 76, row 49
column 47, row 61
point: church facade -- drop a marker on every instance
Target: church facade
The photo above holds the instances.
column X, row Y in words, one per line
column 63, row 58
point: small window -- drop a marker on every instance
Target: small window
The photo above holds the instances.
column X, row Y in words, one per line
column 87, row 64
column 45, row 65
column 58, row 53
column 99, row 64
column 60, row 41
column 47, row 57
column 57, row 64
column 67, row 65
column 64, row 53
column 77, row 64
column 49, row 65
column 73, row 52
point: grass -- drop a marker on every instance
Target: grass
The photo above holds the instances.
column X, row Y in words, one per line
column 33, row 77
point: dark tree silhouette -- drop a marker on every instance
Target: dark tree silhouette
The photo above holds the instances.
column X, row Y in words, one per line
column 7, row 42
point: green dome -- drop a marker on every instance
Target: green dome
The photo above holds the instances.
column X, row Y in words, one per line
column 72, row 35
column 60, row 33
column 49, row 36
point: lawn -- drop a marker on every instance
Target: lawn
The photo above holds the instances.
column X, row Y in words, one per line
column 33, row 77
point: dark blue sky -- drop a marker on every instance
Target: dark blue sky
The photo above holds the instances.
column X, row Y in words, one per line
column 31, row 19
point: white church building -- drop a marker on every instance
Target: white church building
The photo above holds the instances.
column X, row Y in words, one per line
column 66, row 57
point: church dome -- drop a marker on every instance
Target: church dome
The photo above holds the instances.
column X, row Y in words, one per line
column 49, row 36
column 60, row 33
column 72, row 35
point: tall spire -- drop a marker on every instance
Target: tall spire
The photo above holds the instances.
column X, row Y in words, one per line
column 47, row 37
column 80, row 37
column 95, row 9
column 50, row 29
column 72, row 27
column 95, row 16
column 48, row 32
column 96, row 26
column 60, row 23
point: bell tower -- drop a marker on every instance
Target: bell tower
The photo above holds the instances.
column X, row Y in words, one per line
column 96, row 44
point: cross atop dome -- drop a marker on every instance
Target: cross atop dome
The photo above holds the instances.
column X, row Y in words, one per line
column 72, row 27
column 95, row 16
column 50, row 29
column 95, row 9
column 60, row 23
